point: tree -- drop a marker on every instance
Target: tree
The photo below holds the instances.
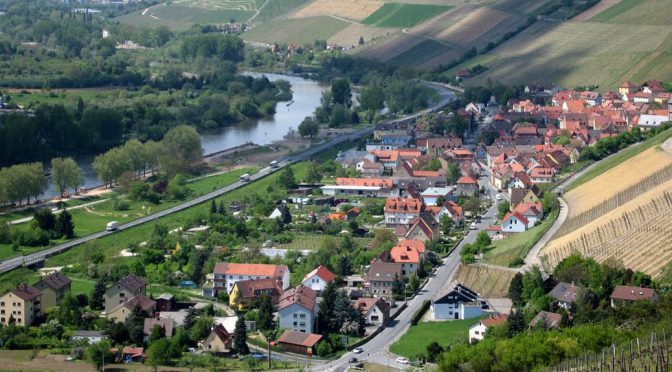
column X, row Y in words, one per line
column 201, row 328
column 434, row 350
column 447, row 223
column 453, row 173
column 344, row 266
column 341, row 93
column 182, row 150
column 549, row 202
column 159, row 353
column 503, row 209
column 516, row 290
column 190, row 318
column 483, row 240
column 158, row 332
column 361, row 40
column 383, row 237
column 64, row 225
column 327, row 304
column 397, row 286
column 99, row 289
column 473, row 205
column 516, row 322
column 240, row 336
column 286, row 178
column 135, row 324
column 313, row 175
column 45, row 219
column 372, row 97
column 65, row 173
column 99, row 353
column 309, row 127
column 213, row 207
column 265, row 314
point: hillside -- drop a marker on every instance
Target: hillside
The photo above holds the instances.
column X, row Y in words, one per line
column 624, row 220
column 613, row 42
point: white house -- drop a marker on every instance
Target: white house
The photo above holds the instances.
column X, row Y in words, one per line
column 376, row 311
column 227, row 274
column 533, row 212
column 514, row 222
column 318, row 278
column 297, row 309
column 402, row 211
column 431, row 194
column 478, row 330
column 651, row 121
column 456, row 302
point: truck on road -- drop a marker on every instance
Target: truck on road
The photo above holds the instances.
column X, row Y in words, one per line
column 274, row 164
column 112, row 226
column 245, row 177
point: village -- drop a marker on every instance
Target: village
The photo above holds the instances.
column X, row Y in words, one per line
column 395, row 209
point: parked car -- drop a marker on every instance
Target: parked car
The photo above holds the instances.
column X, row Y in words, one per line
column 357, row 350
column 473, row 226
column 402, row 360
column 498, row 196
column 352, row 360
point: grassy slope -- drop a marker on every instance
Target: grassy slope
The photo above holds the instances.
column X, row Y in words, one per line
column 422, row 52
column 300, row 31
column 179, row 17
column 403, row 15
column 619, row 158
column 276, row 8
column 415, row 341
column 615, row 10
column 517, row 245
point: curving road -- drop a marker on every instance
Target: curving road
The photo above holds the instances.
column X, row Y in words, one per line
column 446, row 97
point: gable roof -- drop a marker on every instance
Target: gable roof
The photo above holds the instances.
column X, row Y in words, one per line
column 248, row 288
column 414, row 244
column 140, row 300
column 404, row 254
column 365, row 304
column 627, row 293
column 378, row 182
column 26, row 292
column 464, row 293
column 323, row 272
column 550, row 320
column 517, row 195
column 166, row 323
column 300, row 338
column 226, row 268
column 565, row 292
column 529, row 208
column 516, row 215
column 221, row 333
column 132, row 282
column 383, row 271
column 55, row 280
column 300, row 295
column 495, row 319
column 467, row 180
column 403, row 205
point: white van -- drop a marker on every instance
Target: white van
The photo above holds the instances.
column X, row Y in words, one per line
column 112, row 226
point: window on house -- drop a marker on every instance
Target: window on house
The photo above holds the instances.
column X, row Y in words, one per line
column 302, row 324
column 295, row 323
column 302, row 316
column 295, row 315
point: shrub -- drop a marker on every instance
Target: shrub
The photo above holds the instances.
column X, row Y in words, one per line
column 421, row 311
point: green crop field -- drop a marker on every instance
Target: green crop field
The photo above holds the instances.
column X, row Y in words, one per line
column 403, row 15
column 517, row 245
column 616, row 10
column 276, row 8
column 420, row 53
column 300, row 31
column 415, row 341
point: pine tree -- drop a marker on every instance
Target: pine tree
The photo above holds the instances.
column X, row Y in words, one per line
column 157, row 333
column 213, row 207
column 327, row 308
column 64, row 225
column 265, row 315
column 190, row 318
column 222, row 208
column 516, row 289
column 344, row 266
column 516, row 322
column 135, row 324
column 240, row 336
column 97, row 301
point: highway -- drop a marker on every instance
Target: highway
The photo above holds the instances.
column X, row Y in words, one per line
column 446, row 96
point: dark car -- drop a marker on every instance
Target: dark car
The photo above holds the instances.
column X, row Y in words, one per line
column 352, row 360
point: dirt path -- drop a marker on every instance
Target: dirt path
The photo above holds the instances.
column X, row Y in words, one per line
column 595, row 10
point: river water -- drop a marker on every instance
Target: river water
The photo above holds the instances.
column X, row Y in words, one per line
column 306, row 97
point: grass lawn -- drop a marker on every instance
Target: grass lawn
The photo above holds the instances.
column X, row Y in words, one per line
column 415, row 341
column 619, row 158
column 111, row 245
column 403, row 15
column 517, row 245
column 313, row 242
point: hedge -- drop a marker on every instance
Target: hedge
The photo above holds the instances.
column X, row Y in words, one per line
column 421, row 311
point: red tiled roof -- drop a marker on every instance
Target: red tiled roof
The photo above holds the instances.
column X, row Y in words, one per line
column 525, row 209
column 467, row 180
column 415, row 244
column 627, row 293
column 494, row 320
column 225, row 268
column 249, row 288
column 403, row 205
column 322, row 272
column 378, row 182
column 517, row 215
column 366, row 303
column 404, row 254
column 133, row 351
column 300, row 338
column 300, row 295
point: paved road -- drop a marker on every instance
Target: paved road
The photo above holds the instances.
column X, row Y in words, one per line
column 12, row 263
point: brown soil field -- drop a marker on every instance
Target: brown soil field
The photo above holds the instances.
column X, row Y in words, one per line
column 351, row 9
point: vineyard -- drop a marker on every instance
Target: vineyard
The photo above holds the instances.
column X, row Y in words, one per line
column 487, row 281
column 638, row 188
column 639, row 238
column 648, row 354
column 618, row 175
column 403, row 15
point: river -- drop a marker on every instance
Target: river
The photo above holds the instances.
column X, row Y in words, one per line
column 306, row 97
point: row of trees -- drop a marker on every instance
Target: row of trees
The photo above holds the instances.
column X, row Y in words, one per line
column 22, row 182
column 179, row 151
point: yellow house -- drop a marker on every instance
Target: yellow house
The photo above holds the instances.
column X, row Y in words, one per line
column 244, row 292
column 54, row 288
column 20, row 305
column 121, row 312
column 218, row 341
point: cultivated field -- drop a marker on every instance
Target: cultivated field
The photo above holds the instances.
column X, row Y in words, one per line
column 403, row 15
column 595, row 10
column 637, row 12
column 350, row 35
column 621, row 183
column 300, row 31
column 351, row 9
column 583, row 53
column 424, row 51
column 630, row 224
column 487, row 281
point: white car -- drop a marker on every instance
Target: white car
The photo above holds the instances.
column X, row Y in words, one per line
column 473, row 226
column 498, row 196
column 357, row 350
column 402, row 360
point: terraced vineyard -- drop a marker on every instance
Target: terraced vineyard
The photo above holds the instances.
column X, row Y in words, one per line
column 403, row 15
column 640, row 238
column 487, row 281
